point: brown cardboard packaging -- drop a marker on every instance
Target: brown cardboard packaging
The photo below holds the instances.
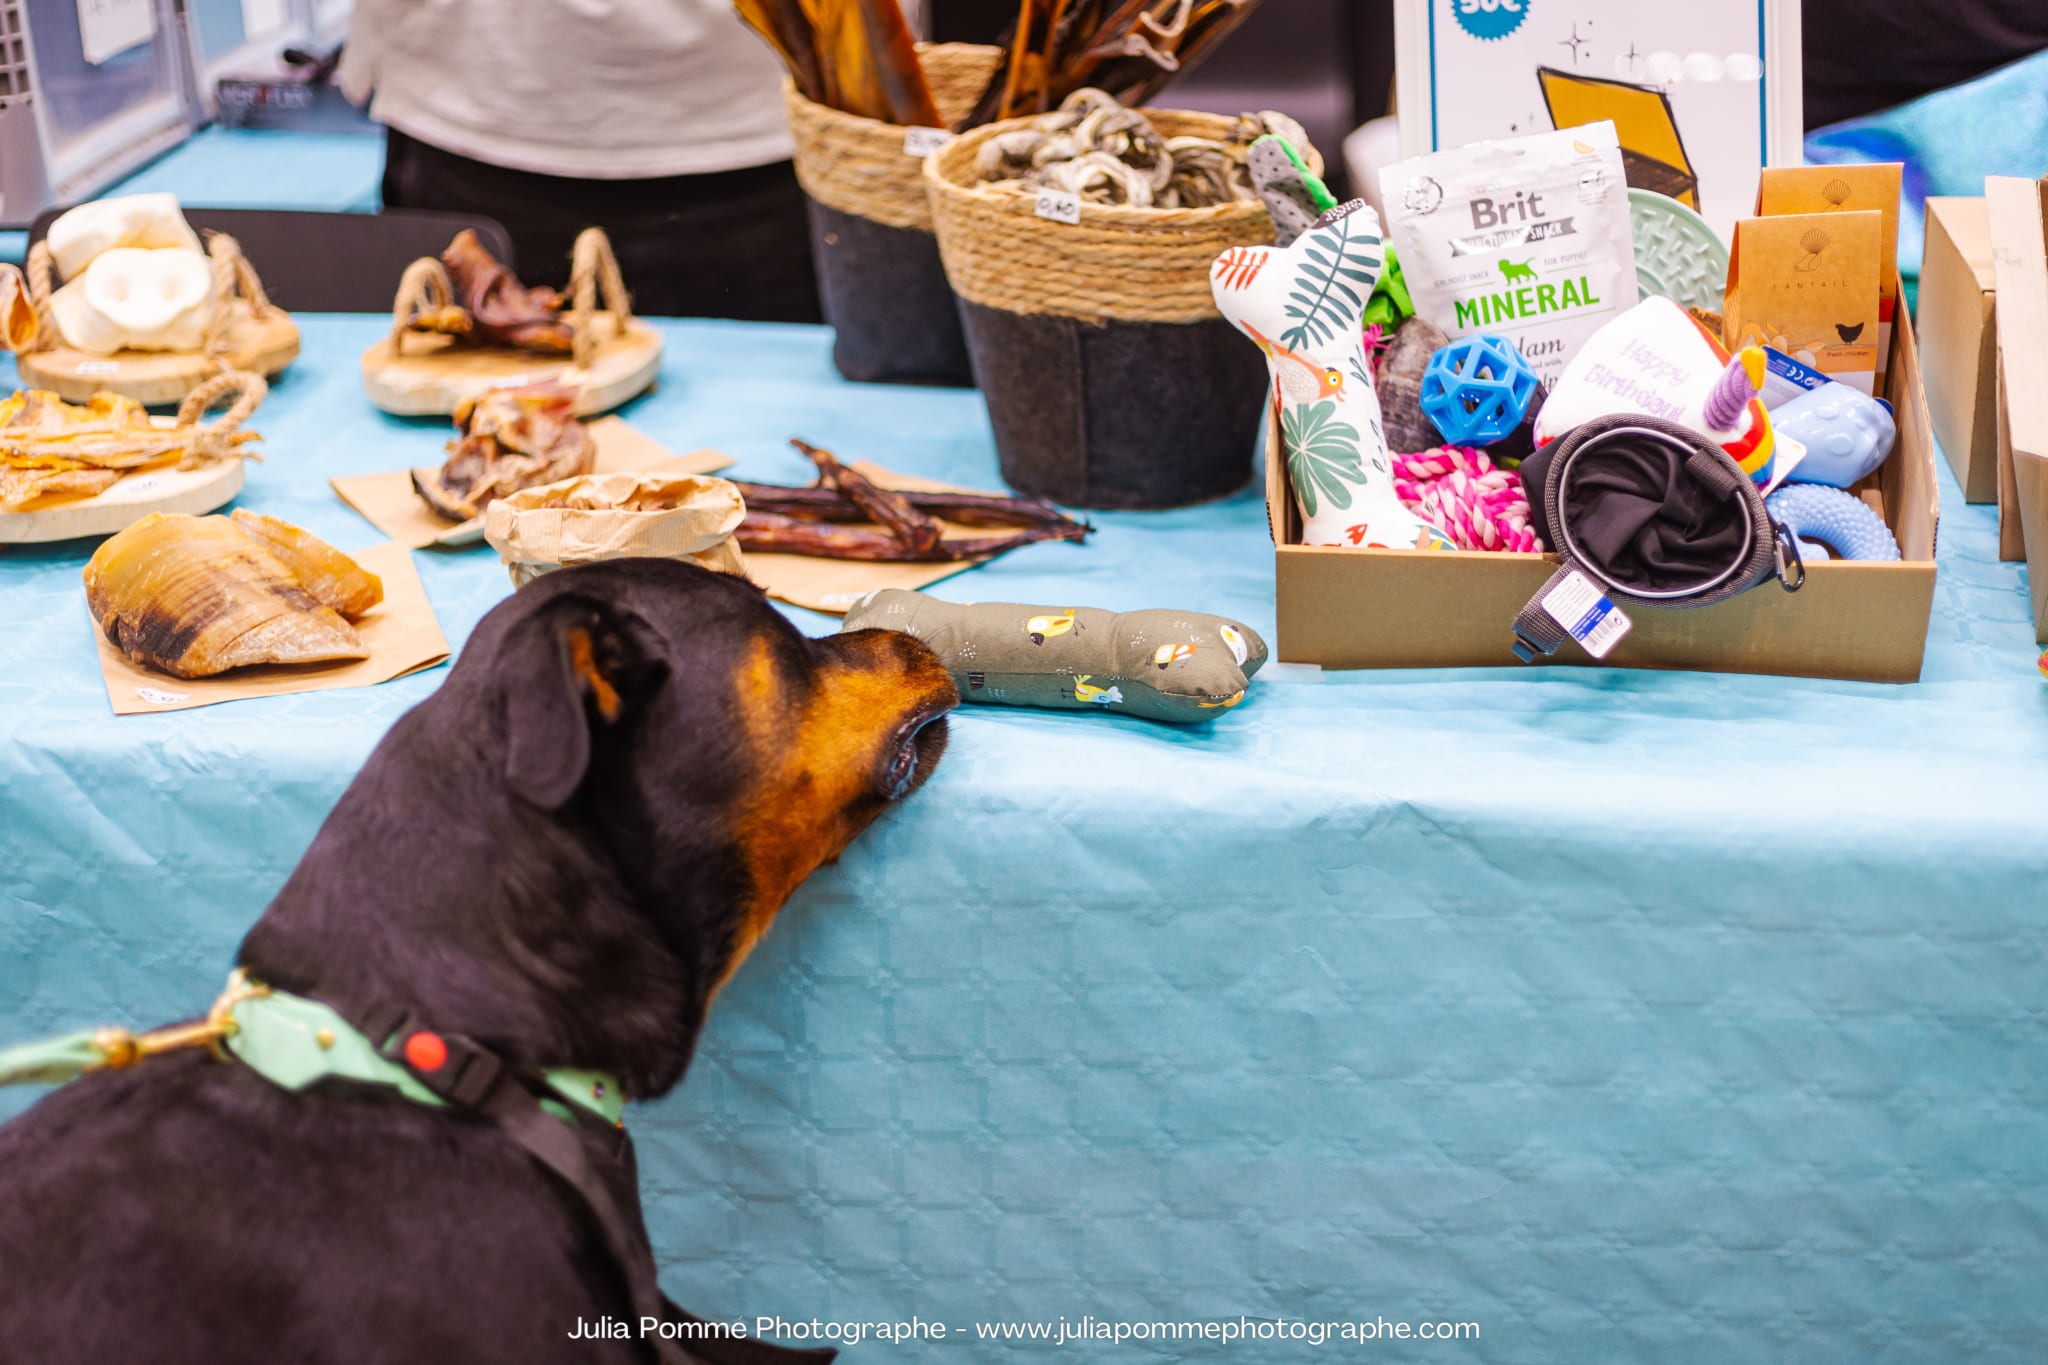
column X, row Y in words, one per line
column 1344, row 608
column 1846, row 189
column 1806, row 283
column 2019, row 249
column 1958, row 293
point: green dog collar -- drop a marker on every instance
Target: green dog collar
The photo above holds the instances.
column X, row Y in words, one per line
column 295, row 1042
column 287, row 1039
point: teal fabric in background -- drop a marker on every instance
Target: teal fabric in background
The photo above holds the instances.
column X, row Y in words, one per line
column 1949, row 141
column 1637, row 1017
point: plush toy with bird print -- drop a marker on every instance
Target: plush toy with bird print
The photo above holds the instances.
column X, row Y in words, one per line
column 1303, row 306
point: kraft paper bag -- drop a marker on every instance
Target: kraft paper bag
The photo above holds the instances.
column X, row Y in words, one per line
column 1807, row 284
column 616, row 516
column 401, row 632
column 390, row 503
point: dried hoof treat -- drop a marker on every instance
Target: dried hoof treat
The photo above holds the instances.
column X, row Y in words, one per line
column 1182, row 667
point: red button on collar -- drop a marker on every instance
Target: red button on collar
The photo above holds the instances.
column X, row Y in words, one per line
column 426, row 1052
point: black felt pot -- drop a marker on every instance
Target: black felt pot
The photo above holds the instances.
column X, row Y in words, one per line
column 1129, row 415
column 885, row 295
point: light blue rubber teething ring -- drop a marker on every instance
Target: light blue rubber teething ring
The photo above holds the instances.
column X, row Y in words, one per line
column 1841, row 521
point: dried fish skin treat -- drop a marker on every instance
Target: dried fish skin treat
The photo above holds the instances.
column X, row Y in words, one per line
column 333, row 579
column 195, row 596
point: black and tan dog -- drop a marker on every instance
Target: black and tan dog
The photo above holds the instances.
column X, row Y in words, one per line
column 561, row 855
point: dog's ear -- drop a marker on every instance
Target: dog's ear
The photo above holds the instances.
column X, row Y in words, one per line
column 574, row 664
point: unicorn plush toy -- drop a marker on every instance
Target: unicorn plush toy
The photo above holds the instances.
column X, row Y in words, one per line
column 1303, row 305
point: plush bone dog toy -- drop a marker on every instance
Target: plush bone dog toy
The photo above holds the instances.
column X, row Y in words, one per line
column 1303, row 306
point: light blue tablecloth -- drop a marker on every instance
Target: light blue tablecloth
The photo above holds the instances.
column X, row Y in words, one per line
column 238, row 168
column 1637, row 1017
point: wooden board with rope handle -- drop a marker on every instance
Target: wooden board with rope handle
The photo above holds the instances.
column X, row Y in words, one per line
column 248, row 333
column 411, row 373
column 207, row 476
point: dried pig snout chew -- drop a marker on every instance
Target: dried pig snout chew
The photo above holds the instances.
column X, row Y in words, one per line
column 196, row 596
column 815, row 521
column 511, row 439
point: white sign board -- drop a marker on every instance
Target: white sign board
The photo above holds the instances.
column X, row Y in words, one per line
column 107, row 28
column 1702, row 94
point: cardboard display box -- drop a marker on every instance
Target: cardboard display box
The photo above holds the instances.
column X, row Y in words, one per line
column 2019, row 247
column 1958, row 295
column 1345, row 608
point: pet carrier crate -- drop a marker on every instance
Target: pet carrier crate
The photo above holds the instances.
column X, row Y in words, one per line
column 89, row 90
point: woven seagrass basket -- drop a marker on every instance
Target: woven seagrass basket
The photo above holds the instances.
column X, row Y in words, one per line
column 1111, row 379
column 879, row 278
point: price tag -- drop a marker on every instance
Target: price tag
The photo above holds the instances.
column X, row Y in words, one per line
column 1582, row 609
column 1060, row 206
column 157, row 698
column 86, row 367
column 922, row 142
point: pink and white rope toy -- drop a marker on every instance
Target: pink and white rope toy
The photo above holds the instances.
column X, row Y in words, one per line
column 1458, row 490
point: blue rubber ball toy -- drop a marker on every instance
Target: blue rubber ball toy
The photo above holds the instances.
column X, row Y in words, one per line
column 1477, row 390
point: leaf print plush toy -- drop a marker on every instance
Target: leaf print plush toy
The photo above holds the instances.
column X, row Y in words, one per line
column 1303, row 306
column 1177, row 666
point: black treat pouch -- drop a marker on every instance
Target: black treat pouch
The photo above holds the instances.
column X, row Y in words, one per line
column 1655, row 515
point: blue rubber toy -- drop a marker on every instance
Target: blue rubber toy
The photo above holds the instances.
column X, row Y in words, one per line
column 1846, row 433
column 1476, row 390
column 1841, row 522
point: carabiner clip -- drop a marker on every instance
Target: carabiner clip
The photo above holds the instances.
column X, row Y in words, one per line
column 1787, row 554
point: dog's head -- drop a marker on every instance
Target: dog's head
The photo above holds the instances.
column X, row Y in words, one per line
column 682, row 719
column 578, row 838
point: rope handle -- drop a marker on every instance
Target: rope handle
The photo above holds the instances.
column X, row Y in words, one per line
column 593, row 266
column 216, row 440
column 42, row 267
column 423, row 288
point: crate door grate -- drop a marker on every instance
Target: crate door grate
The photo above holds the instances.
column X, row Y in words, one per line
column 13, row 53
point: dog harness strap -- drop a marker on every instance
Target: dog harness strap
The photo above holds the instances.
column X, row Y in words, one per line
column 468, row 1075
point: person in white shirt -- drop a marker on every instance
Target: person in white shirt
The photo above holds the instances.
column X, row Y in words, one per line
column 660, row 121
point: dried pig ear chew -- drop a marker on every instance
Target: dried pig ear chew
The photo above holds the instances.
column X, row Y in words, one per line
column 511, row 439
column 1303, row 306
column 1181, row 667
column 491, row 307
column 53, row 449
column 196, row 596
column 1094, row 147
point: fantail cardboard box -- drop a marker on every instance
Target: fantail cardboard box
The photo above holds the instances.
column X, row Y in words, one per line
column 2019, row 248
column 1958, row 328
column 1341, row 607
